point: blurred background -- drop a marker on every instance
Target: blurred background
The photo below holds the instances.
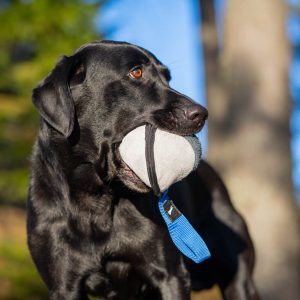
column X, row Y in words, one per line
column 241, row 59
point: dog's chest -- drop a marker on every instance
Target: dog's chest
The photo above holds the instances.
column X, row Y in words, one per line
column 133, row 231
column 136, row 243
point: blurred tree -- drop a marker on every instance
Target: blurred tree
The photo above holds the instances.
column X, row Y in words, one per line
column 33, row 34
column 249, row 136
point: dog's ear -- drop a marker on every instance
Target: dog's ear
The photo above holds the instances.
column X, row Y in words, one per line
column 78, row 73
column 53, row 98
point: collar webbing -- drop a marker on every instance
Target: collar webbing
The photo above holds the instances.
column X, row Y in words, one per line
column 184, row 236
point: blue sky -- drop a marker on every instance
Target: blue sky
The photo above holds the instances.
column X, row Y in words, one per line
column 293, row 31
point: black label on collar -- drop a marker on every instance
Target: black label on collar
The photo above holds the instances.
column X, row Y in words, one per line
column 171, row 210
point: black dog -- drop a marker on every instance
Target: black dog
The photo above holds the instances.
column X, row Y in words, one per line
column 93, row 226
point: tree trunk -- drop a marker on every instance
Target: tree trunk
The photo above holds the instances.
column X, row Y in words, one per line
column 249, row 135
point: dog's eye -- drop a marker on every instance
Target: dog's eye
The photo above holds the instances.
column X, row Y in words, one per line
column 136, row 73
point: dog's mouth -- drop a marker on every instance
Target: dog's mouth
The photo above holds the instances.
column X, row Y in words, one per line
column 128, row 177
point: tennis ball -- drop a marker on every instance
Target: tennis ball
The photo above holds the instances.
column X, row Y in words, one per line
column 175, row 156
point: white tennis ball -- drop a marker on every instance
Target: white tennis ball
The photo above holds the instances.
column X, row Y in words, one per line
column 175, row 156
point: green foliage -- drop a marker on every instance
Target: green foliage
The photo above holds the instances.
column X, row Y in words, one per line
column 33, row 34
column 18, row 274
column 18, row 123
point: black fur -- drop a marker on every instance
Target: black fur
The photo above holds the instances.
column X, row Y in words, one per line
column 95, row 229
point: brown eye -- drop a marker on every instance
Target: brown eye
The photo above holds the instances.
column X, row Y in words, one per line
column 136, row 73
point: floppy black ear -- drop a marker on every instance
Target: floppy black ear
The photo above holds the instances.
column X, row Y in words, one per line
column 53, row 98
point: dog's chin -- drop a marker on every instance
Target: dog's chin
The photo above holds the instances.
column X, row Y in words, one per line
column 131, row 180
column 128, row 177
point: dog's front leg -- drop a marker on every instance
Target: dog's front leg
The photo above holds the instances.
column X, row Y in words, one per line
column 66, row 295
column 242, row 286
column 175, row 286
column 63, row 284
column 61, row 270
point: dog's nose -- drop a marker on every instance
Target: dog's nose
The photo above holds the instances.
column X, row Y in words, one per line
column 196, row 113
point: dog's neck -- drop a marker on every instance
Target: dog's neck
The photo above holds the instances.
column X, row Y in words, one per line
column 82, row 172
column 67, row 187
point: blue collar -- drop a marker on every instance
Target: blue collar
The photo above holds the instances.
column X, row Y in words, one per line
column 184, row 236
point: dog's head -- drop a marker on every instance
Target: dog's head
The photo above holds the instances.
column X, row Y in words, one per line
column 93, row 98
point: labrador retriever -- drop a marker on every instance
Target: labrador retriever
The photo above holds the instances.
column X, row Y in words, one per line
column 93, row 225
